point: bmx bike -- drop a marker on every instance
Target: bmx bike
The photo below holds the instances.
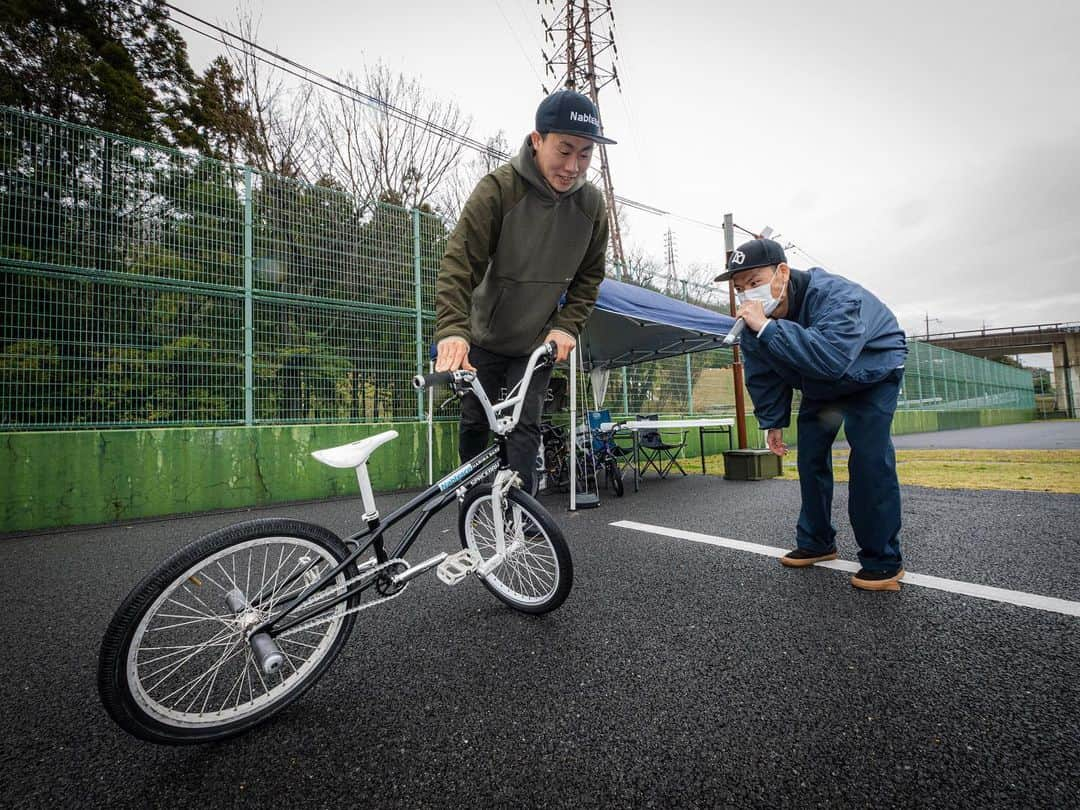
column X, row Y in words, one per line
column 237, row 625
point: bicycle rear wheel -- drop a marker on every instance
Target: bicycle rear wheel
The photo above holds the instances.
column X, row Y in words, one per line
column 537, row 573
column 176, row 665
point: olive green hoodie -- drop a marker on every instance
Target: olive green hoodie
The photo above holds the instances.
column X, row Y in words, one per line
column 518, row 246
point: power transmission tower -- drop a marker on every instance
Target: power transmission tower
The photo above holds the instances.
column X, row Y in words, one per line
column 578, row 42
column 670, row 254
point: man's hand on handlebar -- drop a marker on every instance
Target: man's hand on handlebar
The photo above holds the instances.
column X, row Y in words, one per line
column 563, row 344
column 452, row 353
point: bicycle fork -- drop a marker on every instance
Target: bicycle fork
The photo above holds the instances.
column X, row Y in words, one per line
column 467, row 561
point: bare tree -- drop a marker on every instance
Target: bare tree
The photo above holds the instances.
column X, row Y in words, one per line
column 642, row 269
column 702, row 289
column 380, row 150
column 459, row 185
column 284, row 141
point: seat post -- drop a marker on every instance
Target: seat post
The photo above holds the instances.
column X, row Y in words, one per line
column 371, row 513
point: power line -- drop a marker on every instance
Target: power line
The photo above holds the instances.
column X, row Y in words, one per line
column 305, row 73
column 521, row 47
column 330, row 84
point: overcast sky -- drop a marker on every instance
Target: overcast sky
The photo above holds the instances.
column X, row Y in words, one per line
column 928, row 150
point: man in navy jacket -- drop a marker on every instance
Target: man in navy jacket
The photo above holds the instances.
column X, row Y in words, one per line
column 839, row 345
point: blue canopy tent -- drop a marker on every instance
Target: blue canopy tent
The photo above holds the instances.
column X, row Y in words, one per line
column 632, row 325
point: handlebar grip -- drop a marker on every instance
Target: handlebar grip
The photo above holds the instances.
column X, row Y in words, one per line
column 433, row 379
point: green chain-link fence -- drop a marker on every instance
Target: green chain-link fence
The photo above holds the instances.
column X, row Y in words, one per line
column 146, row 286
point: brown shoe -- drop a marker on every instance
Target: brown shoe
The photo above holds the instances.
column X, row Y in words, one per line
column 878, row 580
column 800, row 558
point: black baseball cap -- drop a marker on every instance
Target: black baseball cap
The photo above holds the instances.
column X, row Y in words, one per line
column 570, row 113
column 755, row 253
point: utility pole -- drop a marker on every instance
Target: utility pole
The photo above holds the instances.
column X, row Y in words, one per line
column 928, row 319
column 575, row 34
column 736, row 358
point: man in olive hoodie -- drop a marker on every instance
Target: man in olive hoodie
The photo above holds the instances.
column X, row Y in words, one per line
column 532, row 230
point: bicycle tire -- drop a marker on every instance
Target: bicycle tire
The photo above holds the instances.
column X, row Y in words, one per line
column 123, row 678
column 543, row 547
column 615, row 476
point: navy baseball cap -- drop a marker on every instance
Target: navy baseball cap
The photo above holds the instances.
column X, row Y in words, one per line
column 755, row 253
column 570, row 113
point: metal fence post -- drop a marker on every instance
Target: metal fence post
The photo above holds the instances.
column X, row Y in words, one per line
column 935, row 387
column 689, row 373
column 417, row 281
column 249, row 307
column 918, row 374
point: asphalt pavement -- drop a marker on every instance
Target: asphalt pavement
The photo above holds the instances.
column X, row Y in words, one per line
column 1048, row 435
column 676, row 674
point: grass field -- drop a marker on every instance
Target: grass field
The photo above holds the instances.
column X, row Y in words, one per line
column 1038, row 470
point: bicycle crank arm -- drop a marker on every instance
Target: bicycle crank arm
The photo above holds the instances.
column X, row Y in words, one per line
column 418, row 569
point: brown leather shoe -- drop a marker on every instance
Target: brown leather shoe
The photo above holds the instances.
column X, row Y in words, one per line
column 800, row 558
column 878, row 580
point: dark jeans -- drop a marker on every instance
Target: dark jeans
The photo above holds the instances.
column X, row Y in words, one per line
column 873, row 491
column 496, row 373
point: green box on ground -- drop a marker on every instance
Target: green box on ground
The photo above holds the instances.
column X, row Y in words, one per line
column 751, row 465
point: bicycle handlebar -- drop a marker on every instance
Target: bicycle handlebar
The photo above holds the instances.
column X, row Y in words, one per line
column 544, row 354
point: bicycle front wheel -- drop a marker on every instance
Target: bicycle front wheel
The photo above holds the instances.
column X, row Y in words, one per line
column 176, row 665
column 537, row 573
column 615, row 477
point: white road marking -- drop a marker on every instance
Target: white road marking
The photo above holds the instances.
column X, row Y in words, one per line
column 1031, row 600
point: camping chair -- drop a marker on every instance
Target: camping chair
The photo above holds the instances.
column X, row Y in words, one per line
column 657, row 452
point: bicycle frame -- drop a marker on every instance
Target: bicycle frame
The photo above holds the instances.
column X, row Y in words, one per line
column 452, row 486
column 429, row 502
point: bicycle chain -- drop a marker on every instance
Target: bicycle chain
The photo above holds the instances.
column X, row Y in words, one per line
column 315, row 622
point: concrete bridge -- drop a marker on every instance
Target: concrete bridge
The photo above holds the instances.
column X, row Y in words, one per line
column 1060, row 339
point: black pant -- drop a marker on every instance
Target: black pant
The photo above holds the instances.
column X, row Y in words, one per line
column 496, row 373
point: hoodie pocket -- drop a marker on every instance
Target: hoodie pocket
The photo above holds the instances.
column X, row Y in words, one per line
column 499, row 296
column 518, row 315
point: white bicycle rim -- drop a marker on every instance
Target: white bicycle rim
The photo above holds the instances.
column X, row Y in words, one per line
column 173, row 681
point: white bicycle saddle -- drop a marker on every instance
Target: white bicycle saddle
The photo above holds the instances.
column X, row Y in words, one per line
column 355, row 453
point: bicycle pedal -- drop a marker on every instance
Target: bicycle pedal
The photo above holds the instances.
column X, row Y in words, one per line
column 457, row 566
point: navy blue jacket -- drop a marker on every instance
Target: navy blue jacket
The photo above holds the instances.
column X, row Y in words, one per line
column 836, row 338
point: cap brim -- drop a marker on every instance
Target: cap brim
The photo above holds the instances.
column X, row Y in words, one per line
column 593, row 138
column 729, row 273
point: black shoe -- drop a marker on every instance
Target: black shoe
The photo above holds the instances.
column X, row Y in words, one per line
column 800, row 558
column 878, row 580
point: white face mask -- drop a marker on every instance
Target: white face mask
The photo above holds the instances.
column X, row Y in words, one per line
column 762, row 293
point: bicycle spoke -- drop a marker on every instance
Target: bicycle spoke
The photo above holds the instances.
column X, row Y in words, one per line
column 177, row 651
column 195, row 650
column 213, row 581
column 190, row 684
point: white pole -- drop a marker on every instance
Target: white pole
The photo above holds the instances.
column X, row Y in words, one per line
column 573, row 429
column 430, row 429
